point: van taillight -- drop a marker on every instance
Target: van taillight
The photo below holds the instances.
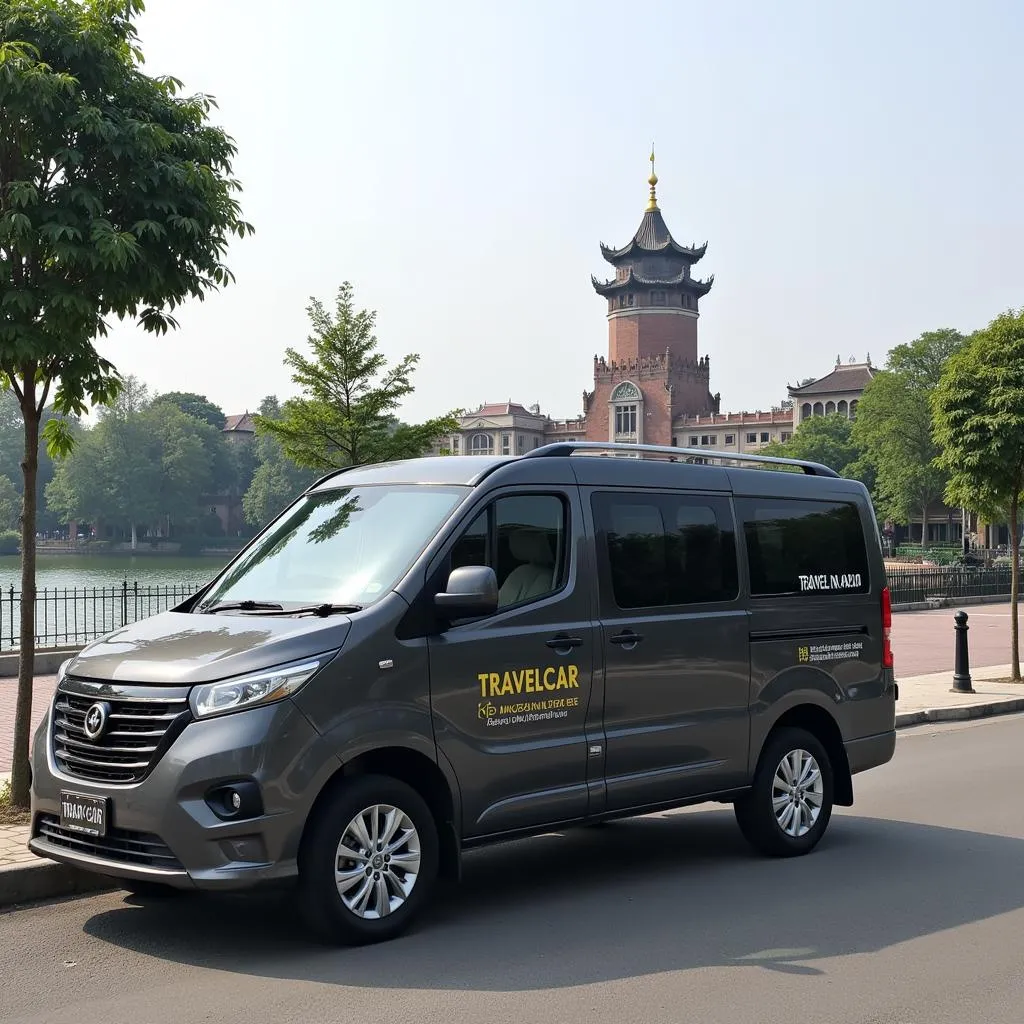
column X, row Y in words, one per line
column 887, row 659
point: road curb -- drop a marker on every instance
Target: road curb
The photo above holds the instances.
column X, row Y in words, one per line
column 32, row 882
column 942, row 603
column 960, row 714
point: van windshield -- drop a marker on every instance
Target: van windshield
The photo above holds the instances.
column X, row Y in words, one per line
column 344, row 546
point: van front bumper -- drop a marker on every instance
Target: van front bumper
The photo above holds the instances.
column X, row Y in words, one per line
column 163, row 830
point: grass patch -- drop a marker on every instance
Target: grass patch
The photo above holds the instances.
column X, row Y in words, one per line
column 9, row 814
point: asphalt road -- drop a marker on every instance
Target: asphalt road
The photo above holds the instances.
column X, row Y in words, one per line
column 910, row 912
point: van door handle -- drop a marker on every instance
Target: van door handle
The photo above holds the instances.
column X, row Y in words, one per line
column 564, row 643
column 627, row 639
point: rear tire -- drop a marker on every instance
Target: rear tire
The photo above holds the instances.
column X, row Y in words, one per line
column 368, row 863
column 789, row 806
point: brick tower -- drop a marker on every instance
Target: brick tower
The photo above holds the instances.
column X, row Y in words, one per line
column 653, row 372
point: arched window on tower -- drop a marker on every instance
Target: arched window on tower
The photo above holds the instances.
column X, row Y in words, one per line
column 830, row 407
column 842, row 408
column 481, row 444
column 819, row 409
column 853, row 409
column 626, row 404
column 806, row 412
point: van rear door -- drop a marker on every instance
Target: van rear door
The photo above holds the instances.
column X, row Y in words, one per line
column 815, row 626
column 674, row 645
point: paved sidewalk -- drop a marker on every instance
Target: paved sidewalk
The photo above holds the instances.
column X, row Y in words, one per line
column 14, row 845
column 42, row 692
column 929, row 698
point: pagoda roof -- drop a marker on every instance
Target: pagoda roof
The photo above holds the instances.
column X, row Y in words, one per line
column 846, row 377
column 633, row 280
column 653, row 238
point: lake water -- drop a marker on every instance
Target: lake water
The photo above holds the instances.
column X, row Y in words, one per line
column 76, row 571
column 82, row 597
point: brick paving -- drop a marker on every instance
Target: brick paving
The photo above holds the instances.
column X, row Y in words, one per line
column 13, row 846
column 42, row 691
column 923, row 641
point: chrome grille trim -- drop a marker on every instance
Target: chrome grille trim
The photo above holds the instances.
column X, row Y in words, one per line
column 142, row 724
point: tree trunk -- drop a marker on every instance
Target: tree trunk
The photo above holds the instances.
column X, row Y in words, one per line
column 26, row 662
column 924, row 527
column 134, row 536
column 1014, row 589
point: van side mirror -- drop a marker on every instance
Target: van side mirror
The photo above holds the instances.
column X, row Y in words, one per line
column 472, row 591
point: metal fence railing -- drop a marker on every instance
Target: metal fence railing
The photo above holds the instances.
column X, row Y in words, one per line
column 66, row 616
column 913, row 586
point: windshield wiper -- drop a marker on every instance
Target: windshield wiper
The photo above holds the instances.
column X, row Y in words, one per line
column 243, row 606
column 323, row 610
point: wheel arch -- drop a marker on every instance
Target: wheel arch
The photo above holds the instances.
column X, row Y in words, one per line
column 821, row 724
column 421, row 773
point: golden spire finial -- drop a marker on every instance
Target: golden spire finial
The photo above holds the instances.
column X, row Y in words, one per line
column 652, row 203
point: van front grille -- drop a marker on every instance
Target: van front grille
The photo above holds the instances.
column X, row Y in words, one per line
column 139, row 723
column 119, row 844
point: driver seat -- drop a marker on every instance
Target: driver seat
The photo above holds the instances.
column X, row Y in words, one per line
column 534, row 576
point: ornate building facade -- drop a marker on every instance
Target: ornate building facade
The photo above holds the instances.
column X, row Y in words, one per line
column 653, row 386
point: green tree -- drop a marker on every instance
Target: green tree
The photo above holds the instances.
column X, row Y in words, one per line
column 10, row 504
column 12, row 451
column 131, row 459
column 79, row 489
column 243, row 460
column 827, row 440
column 190, row 453
column 144, row 463
column 277, row 481
column 116, row 200
column 346, row 415
column 979, row 428
column 195, row 405
column 894, row 427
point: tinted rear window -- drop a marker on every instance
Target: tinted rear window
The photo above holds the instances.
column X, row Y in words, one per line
column 666, row 549
column 804, row 547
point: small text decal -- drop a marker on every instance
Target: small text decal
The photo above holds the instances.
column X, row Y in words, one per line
column 831, row 581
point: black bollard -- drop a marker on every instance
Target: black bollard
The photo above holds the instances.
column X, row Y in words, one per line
column 962, row 661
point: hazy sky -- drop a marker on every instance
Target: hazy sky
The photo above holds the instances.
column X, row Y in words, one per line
column 855, row 168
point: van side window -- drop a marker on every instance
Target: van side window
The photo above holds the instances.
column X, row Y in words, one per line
column 524, row 539
column 666, row 549
column 798, row 546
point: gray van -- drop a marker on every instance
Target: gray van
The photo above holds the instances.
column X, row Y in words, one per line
column 421, row 657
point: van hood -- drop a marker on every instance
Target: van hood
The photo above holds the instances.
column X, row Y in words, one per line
column 179, row 649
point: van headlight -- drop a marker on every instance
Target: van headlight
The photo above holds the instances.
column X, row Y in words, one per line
column 243, row 692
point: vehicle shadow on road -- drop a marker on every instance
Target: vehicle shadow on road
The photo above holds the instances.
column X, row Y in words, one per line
column 639, row 897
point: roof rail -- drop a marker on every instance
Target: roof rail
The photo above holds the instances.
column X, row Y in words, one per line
column 562, row 448
column 327, row 476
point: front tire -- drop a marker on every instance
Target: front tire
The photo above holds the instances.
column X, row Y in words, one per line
column 368, row 863
column 789, row 806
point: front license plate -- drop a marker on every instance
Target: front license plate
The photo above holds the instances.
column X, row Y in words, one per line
column 86, row 814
